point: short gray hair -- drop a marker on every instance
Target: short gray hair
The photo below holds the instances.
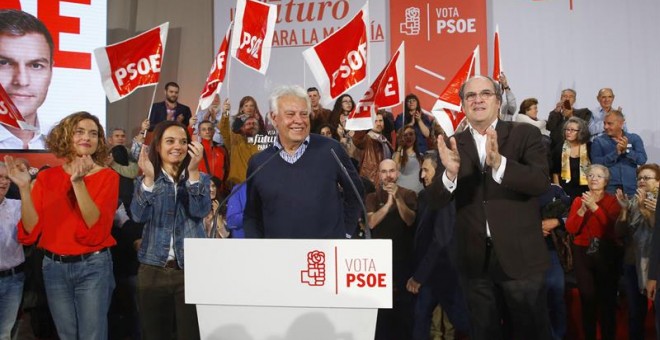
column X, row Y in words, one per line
column 288, row 90
column 603, row 168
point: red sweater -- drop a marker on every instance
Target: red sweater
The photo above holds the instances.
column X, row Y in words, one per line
column 61, row 226
column 599, row 223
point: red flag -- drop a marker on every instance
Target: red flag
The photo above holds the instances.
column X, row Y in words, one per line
column 132, row 63
column 497, row 63
column 9, row 114
column 254, row 26
column 386, row 91
column 449, row 100
column 217, row 73
column 339, row 61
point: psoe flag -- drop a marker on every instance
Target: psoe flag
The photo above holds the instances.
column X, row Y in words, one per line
column 132, row 63
column 386, row 91
column 217, row 74
column 254, row 26
column 9, row 114
column 447, row 108
column 339, row 61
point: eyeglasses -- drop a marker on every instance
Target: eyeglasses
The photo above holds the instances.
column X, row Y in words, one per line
column 645, row 178
column 346, row 101
column 572, row 130
column 483, row 95
column 595, row 176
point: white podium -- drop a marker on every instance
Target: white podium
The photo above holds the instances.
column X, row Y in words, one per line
column 258, row 289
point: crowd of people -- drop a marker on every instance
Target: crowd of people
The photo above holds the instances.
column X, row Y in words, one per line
column 486, row 224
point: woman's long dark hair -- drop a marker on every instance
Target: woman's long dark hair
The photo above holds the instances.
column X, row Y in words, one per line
column 408, row 116
column 399, row 140
column 154, row 150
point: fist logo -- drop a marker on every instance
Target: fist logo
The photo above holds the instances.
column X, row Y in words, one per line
column 315, row 273
column 411, row 25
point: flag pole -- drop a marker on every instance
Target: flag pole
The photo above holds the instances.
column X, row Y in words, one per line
column 162, row 61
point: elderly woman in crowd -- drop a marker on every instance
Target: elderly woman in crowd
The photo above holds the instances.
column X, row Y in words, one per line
column 171, row 198
column 571, row 158
column 596, row 254
column 636, row 225
column 529, row 114
column 69, row 212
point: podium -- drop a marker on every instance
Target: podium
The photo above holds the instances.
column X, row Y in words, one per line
column 272, row 289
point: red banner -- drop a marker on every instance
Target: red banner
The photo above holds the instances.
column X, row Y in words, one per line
column 386, row 91
column 132, row 63
column 252, row 38
column 339, row 62
column 439, row 34
column 9, row 114
column 217, row 74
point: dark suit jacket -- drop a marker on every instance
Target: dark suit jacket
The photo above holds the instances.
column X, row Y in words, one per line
column 433, row 244
column 654, row 257
column 159, row 113
column 511, row 208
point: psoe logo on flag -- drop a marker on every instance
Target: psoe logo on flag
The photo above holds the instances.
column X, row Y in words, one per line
column 411, row 25
column 315, row 273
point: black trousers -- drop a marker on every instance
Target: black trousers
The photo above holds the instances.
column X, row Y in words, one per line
column 597, row 281
column 504, row 308
column 162, row 307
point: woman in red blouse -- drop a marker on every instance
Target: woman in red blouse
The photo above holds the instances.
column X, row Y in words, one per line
column 597, row 269
column 70, row 211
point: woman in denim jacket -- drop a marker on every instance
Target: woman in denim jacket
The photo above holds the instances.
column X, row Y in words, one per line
column 171, row 210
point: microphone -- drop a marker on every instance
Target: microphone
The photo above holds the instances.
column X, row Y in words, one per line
column 367, row 229
column 214, row 225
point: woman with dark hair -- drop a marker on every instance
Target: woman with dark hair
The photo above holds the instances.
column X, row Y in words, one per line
column 571, row 158
column 409, row 160
column 596, row 253
column 529, row 114
column 70, row 211
column 247, row 108
column 217, row 229
column 171, row 199
column 635, row 226
column 343, row 106
column 413, row 116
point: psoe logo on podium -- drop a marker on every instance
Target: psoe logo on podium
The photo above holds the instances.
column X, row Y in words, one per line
column 314, row 275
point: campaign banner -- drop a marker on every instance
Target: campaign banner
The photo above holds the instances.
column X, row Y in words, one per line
column 61, row 54
column 217, row 74
column 386, row 91
column 252, row 38
column 439, row 34
column 9, row 114
column 340, row 61
column 293, row 273
column 132, row 63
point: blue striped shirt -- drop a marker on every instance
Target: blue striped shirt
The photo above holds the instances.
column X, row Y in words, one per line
column 296, row 155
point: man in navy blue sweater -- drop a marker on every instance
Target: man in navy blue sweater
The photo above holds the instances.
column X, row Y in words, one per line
column 301, row 192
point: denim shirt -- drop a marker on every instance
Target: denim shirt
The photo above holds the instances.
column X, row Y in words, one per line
column 166, row 217
column 623, row 167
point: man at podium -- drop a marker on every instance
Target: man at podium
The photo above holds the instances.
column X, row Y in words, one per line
column 296, row 188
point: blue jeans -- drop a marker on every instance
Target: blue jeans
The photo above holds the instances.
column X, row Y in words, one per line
column 79, row 296
column 554, row 281
column 11, row 291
